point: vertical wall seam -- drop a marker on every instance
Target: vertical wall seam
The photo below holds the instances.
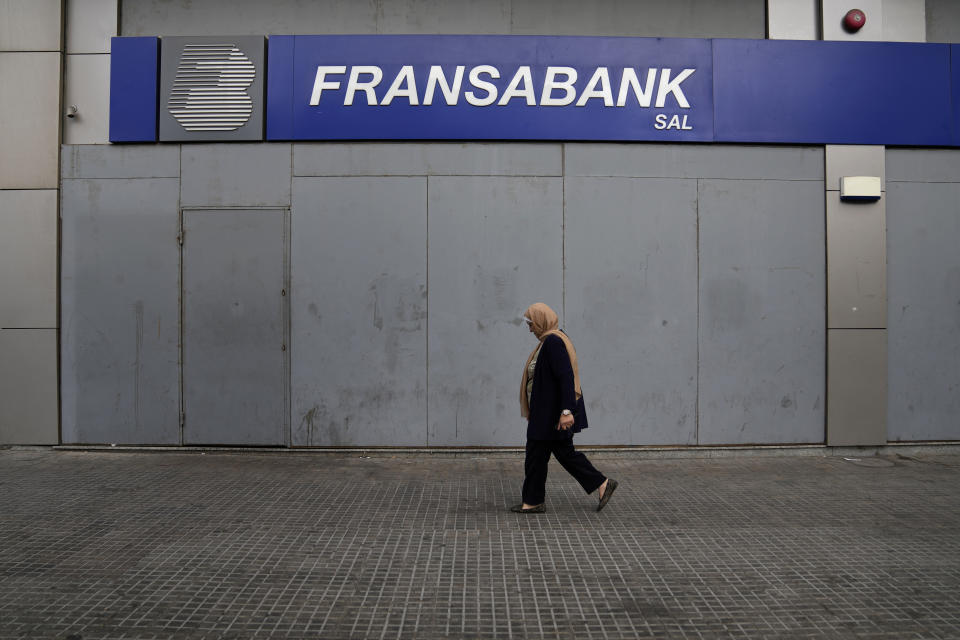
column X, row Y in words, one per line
column 563, row 232
column 287, row 320
column 59, row 231
column 288, row 306
column 182, row 417
column 696, row 408
column 766, row 19
column 427, row 336
column 826, row 301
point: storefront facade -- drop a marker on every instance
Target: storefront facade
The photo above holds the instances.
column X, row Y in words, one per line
column 361, row 284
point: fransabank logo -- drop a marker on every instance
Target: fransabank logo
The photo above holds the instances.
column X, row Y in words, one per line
column 209, row 92
column 212, row 88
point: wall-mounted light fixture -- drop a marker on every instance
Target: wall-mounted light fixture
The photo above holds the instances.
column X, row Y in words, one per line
column 860, row 188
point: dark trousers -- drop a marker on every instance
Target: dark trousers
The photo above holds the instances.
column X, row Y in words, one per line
column 576, row 464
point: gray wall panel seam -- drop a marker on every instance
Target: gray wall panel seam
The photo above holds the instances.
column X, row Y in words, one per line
column 563, row 232
column 442, row 175
column 427, row 319
column 182, row 416
column 760, row 179
column 221, row 207
column 696, row 402
column 826, row 307
column 826, row 302
column 74, row 179
column 675, row 177
column 62, row 93
column 54, row 328
column 288, row 307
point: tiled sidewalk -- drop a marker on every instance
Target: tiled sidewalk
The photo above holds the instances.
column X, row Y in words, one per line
column 256, row 545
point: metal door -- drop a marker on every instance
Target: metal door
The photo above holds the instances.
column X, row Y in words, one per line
column 235, row 327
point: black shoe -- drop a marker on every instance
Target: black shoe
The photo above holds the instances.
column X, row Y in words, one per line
column 518, row 508
column 611, row 487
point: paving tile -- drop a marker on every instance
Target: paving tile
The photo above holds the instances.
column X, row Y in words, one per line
column 294, row 545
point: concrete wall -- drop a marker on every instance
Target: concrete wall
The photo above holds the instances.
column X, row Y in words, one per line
column 943, row 20
column 690, row 277
column 407, row 259
column 887, row 20
column 30, row 59
column 654, row 18
column 923, row 233
column 89, row 26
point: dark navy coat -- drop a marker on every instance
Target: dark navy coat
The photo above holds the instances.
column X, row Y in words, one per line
column 553, row 391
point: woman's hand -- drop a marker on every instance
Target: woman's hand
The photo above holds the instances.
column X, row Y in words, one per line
column 565, row 423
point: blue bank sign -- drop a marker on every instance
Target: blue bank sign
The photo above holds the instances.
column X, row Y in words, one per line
column 550, row 88
column 489, row 87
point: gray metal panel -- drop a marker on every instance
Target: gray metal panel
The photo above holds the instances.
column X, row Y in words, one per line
column 359, row 316
column 694, row 161
column 681, row 18
column 120, row 161
column 28, row 259
column 150, row 17
column 854, row 160
column 31, row 99
column 923, row 165
column 762, row 341
column 653, row 18
column 28, row 386
column 924, row 311
column 856, row 264
column 495, row 247
column 90, row 24
column 87, row 86
column 30, row 25
column 793, row 19
column 631, row 300
column 943, row 20
column 235, row 370
column 857, row 375
column 444, row 16
column 120, row 311
column 235, row 175
column 904, row 21
column 439, row 158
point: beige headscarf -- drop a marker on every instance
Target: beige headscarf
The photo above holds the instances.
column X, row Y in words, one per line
column 545, row 323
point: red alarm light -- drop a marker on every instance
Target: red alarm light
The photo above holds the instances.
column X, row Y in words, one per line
column 854, row 20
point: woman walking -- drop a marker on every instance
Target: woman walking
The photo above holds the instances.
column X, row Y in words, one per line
column 552, row 402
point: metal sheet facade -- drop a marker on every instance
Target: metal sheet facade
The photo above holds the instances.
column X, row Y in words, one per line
column 441, row 215
column 120, row 311
column 234, row 326
column 359, row 324
column 411, row 263
column 923, row 232
column 761, row 316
